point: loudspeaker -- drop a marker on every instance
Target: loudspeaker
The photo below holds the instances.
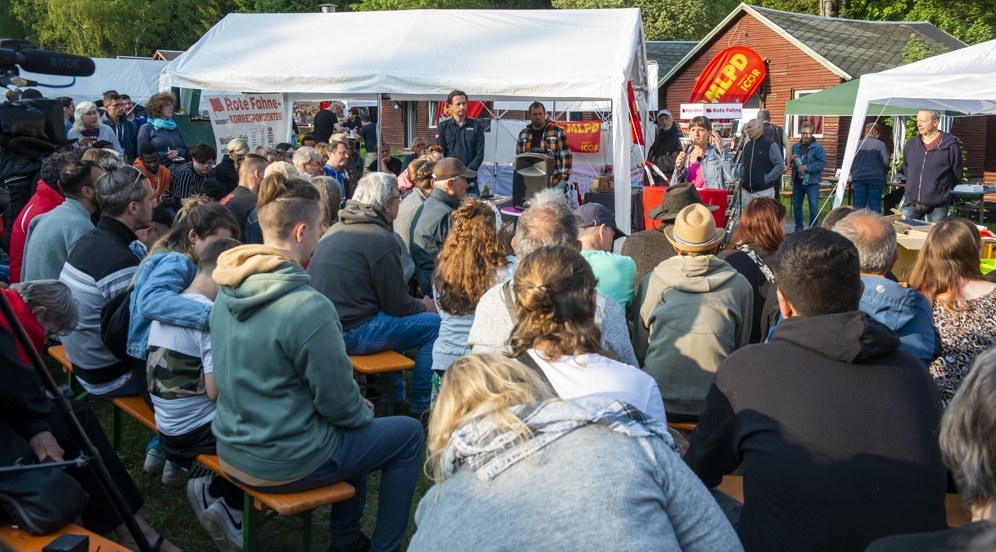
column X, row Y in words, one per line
column 533, row 172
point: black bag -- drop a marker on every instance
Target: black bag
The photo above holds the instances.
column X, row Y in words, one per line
column 40, row 501
column 115, row 318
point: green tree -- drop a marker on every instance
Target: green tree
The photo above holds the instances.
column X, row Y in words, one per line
column 672, row 20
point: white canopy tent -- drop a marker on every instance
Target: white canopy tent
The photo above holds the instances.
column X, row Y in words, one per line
column 498, row 55
column 963, row 80
column 139, row 78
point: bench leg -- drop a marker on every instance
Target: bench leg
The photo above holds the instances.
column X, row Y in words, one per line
column 305, row 531
column 250, row 520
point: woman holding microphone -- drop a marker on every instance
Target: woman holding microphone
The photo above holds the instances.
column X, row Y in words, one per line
column 703, row 163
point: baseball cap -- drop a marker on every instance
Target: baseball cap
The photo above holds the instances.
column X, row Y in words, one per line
column 664, row 112
column 451, row 167
column 593, row 214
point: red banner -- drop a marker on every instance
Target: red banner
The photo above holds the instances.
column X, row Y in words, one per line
column 443, row 110
column 635, row 129
column 582, row 136
column 731, row 77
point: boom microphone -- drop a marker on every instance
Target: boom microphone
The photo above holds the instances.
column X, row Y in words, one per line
column 51, row 63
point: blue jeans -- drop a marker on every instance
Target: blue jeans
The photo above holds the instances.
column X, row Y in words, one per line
column 392, row 445
column 868, row 193
column 384, row 332
column 934, row 214
column 810, row 191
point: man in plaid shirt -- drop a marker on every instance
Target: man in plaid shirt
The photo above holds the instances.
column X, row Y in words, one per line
column 542, row 136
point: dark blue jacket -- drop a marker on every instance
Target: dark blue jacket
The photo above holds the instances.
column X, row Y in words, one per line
column 906, row 312
column 930, row 175
column 465, row 143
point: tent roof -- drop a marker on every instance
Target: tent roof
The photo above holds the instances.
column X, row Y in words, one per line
column 963, row 81
column 544, row 54
column 139, row 78
column 839, row 101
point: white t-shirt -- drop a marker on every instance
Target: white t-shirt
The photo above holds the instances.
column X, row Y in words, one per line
column 180, row 348
column 593, row 375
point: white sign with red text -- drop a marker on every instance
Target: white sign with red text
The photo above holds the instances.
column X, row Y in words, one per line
column 711, row 110
column 259, row 118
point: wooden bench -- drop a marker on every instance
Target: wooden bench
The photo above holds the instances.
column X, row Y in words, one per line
column 299, row 505
column 286, row 504
column 385, row 364
column 733, row 485
column 22, row 541
column 58, row 352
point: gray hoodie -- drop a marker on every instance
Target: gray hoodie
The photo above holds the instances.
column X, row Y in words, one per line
column 694, row 312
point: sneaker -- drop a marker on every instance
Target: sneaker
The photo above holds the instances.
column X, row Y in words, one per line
column 155, row 458
column 224, row 524
column 199, row 496
column 175, row 475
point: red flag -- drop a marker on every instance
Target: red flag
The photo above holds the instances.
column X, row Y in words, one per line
column 731, row 77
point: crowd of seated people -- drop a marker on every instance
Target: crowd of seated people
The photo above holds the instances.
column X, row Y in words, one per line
column 542, row 388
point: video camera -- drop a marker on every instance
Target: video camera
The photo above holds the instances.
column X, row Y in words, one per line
column 31, row 126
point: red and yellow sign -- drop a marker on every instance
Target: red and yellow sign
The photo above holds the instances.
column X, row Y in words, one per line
column 731, row 77
column 582, row 136
column 443, row 110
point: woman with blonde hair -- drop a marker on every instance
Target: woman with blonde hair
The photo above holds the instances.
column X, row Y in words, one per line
column 227, row 171
column 947, row 272
column 471, row 261
column 556, row 333
column 535, row 473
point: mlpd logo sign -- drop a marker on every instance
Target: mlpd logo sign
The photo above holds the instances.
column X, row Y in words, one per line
column 733, row 76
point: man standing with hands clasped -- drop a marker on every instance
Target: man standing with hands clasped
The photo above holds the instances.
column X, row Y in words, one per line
column 933, row 166
column 807, row 160
column 462, row 137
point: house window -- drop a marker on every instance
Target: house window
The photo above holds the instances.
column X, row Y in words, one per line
column 430, row 114
column 816, row 121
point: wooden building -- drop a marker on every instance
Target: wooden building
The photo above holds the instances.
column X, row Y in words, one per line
column 808, row 53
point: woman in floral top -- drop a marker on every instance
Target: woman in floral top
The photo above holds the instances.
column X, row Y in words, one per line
column 947, row 273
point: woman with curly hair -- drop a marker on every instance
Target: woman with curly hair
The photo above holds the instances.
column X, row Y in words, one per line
column 556, row 333
column 471, row 262
column 161, row 130
column 947, row 272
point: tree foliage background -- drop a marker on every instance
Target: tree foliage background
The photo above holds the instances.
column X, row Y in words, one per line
column 127, row 27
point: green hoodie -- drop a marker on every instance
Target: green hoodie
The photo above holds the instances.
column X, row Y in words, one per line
column 285, row 383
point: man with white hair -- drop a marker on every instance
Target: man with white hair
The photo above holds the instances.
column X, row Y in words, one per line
column 308, row 161
column 357, row 265
column 546, row 221
column 761, row 165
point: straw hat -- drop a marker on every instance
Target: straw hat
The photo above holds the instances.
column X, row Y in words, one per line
column 694, row 230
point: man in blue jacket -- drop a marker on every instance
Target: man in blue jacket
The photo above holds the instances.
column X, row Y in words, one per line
column 905, row 311
column 933, row 166
column 462, row 137
column 808, row 159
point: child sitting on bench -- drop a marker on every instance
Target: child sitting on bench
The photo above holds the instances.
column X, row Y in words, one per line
column 183, row 391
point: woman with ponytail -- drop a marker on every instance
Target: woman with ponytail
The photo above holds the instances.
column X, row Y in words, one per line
column 557, row 336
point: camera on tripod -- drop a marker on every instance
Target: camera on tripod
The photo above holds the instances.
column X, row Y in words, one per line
column 37, row 121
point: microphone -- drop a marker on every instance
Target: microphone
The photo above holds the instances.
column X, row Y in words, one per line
column 51, row 63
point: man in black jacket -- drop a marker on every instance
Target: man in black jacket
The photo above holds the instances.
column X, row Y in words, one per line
column 932, row 164
column 432, row 220
column 762, row 164
column 835, row 425
column 462, row 137
column 357, row 265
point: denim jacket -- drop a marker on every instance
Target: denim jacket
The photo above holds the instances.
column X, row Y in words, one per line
column 716, row 170
column 814, row 158
column 156, row 296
